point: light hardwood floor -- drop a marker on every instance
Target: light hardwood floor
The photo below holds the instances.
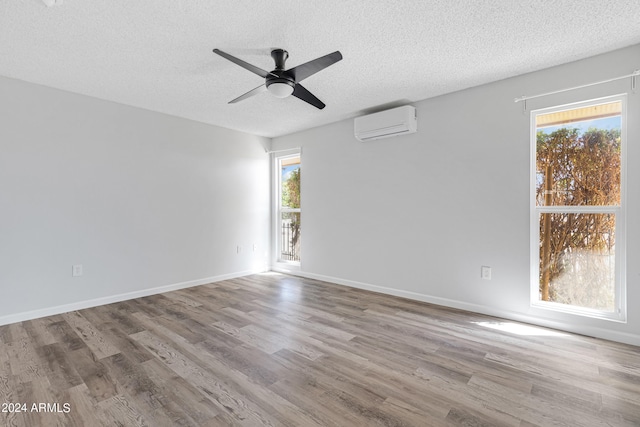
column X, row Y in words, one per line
column 279, row 350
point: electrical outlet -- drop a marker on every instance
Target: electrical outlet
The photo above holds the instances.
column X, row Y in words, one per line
column 485, row 272
column 238, row 249
column 76, row 270
column 255, row 247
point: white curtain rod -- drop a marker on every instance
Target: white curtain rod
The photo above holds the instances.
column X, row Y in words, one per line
column 282, row 151
column 633, row 86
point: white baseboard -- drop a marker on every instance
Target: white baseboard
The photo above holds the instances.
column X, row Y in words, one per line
column 591, row 331
column 80, row 305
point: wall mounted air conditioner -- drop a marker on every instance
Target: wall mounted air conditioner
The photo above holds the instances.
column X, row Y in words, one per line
column 397, row 121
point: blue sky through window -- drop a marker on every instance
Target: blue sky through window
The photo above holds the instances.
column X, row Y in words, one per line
column 286, row 171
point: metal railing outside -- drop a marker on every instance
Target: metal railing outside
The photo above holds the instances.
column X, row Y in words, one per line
column 290, row 240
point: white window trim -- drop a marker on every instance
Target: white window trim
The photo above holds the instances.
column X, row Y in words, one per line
column 620, row 312
column 281, row 264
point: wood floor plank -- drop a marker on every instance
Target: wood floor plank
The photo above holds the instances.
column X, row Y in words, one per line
column 180, row 327
column 25, row 395
column 90, row 335
column 620, row 412
column 244, row 411
column 23, row 359
column 307, row 396
column 257, row 366
column 250, row 338
column 38, row 331
column 211, row 333
column 8, row 395
column 14, row 332
column 122, row 412
column 307, row 347
column 124, row 343
column 94, row 374
column 177, row 390
column 263, row 399
column 278, row 350
column 540, row 408
column 112, row 315
column 59, row 369
column 83, row 408
column 65, row 335
column 318, row 342
column 182, row 298
column 48, row 410
column 135, row 388
column 4, row 334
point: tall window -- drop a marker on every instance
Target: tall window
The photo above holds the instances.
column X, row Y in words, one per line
column 577, row 208
column 289, row 215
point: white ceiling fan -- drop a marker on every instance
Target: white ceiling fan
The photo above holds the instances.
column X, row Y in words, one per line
column 282, row 83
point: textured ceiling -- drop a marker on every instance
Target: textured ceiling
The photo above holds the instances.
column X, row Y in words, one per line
column 157, row 54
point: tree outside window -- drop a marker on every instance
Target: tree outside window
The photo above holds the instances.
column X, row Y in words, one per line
column 578, row 198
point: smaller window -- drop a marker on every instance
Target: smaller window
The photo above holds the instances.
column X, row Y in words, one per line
column 288, row 221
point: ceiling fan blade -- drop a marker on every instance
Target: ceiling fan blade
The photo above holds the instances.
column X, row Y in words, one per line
column 301, row 92
column 256, row 70
column 307, row 69
column 252, row 92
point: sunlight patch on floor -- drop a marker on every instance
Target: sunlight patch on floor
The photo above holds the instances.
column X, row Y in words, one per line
column 521, row 329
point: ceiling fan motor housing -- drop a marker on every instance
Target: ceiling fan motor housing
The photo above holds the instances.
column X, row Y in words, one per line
column 282, row 78
column 279, row 75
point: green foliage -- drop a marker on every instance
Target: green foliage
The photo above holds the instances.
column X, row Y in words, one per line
column 291, row 190
column 291, row 199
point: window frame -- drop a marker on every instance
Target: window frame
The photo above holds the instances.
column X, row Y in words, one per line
column 279, row 210
column 620, row 307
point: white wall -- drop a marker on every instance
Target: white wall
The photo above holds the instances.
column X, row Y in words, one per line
column 144, row 201
column 418, row 215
